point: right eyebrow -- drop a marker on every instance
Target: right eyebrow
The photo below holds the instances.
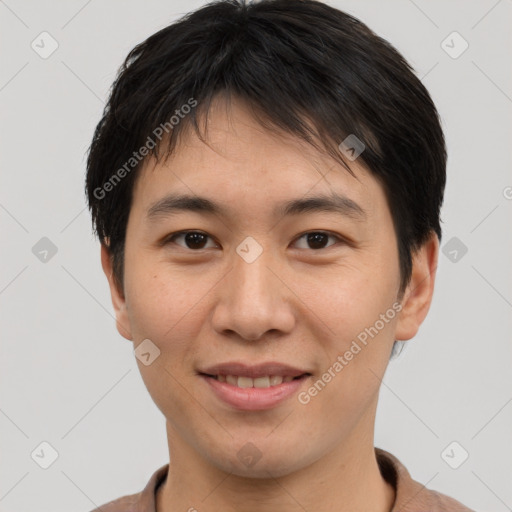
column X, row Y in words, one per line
column 340, row 204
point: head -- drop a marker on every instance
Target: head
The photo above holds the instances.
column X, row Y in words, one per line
column 248, row 106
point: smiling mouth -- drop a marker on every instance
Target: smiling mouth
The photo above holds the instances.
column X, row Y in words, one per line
column 264, row 381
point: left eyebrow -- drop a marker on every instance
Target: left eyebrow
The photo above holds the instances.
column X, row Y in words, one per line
column 174, row 203
column 336, row 203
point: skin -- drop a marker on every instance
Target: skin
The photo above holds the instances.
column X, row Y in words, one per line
column 296, row 304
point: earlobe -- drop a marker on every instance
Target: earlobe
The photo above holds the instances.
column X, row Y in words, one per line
column 117, row 296
column 418, row 296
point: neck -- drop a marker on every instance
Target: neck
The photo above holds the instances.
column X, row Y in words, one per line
column 345, row 480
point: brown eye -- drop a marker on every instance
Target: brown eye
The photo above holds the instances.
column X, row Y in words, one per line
column 197, row 240
column 317, row 239
column 194, row 240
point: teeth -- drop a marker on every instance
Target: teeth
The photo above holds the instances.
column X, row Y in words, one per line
column 275, row 380
column 245, row 382
column 230, row 379
column 259, row 382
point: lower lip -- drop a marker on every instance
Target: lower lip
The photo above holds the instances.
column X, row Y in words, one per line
column 254, row 399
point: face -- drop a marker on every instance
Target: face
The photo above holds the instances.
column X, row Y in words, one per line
column 254, row 284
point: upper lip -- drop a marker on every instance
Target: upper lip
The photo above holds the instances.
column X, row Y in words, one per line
column 253, row 370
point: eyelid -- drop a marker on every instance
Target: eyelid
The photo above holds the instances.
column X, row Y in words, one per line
column 169, row 238
column 339, row 238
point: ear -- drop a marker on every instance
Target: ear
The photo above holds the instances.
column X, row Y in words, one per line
column 418, row 295
column 118, row 300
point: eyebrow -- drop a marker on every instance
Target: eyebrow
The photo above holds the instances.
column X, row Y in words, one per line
column 340, row 204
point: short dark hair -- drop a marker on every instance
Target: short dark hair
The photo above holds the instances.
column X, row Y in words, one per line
column 305, row 68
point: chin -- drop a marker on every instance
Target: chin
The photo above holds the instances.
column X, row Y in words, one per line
column 262, row 459
column 262, row 469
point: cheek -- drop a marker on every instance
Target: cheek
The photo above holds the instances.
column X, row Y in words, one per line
column 163, row 309
column 358, row 306
column 161, row 303
column 347, row 388
column 349, row 298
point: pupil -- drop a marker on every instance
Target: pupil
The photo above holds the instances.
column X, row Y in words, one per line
column 316, row 239
column 195, row 239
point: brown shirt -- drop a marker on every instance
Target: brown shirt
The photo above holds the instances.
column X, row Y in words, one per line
column 411, row 496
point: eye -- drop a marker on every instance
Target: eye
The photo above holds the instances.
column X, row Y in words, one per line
column 197, row 240
column 193, row 239
column 317, row 239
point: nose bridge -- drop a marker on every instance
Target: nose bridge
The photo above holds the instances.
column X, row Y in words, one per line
column 253, row 299
column 253, row 283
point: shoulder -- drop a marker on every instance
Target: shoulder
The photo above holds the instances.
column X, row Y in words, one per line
column 411, row 496
column 143, row 501
column 125, row 504
column 446, row 504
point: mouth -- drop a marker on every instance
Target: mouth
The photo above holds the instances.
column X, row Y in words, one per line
column 261, row 382
column 254, row 387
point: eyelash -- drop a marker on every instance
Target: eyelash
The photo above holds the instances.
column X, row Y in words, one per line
column 172, row 237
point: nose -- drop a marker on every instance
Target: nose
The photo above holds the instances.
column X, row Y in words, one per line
column 253, row 300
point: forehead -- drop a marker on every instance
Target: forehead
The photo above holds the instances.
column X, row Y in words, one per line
column 244, row 164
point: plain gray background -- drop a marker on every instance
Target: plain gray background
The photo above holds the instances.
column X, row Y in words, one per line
column 68, row 378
